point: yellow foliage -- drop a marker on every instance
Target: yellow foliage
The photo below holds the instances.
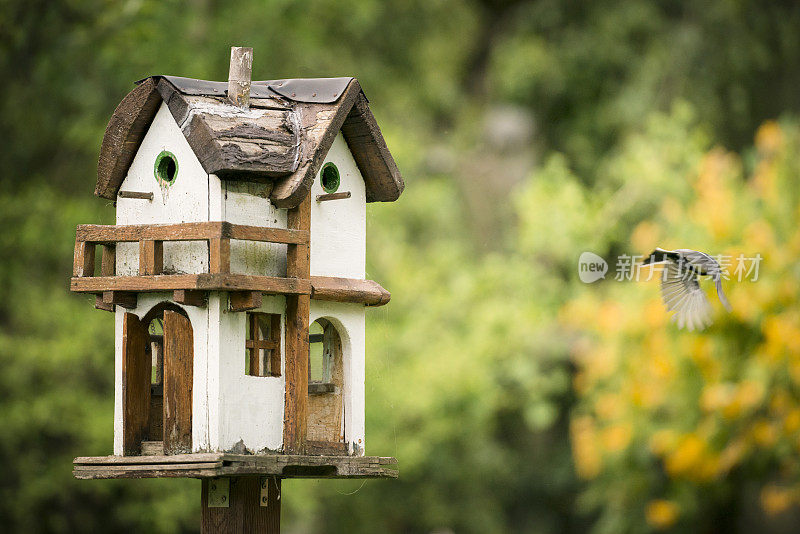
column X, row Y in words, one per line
column 585, row 451
column 616, row 437
column 703, row 403
column 687, row 457
column 764, row 433
column 791, row 423
column 776, row 499
column 769, row 138
column 663, row 441
column 661, row 514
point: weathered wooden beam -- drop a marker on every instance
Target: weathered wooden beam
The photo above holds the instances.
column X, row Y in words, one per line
column 334, row 289
column 203, row 281
column 333, row 196
column 125, row 299
column 219, row 254
column 104, row 233
column 207, row 465
column 244, row 300
column 190, row 297
column 108, row 267
column 264, row 233
column 83, row 261
column 298, row 266
column 198, row 231
column 99, row 304
column 151, row 257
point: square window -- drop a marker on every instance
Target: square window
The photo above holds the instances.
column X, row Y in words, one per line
column 263, row 346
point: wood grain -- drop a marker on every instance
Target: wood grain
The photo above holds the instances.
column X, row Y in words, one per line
column 204, row 465
column 190, row 297
column 124, row 134
column 325, row 414
column 333, row 196
column 362, row 134
column 83, row 260
column 244, row 300
column 197, row 231
column 219, row 255
column 298, row 266
column 108, row 267
column 245, row 513
column 151, row 257
column 135, row 384
column 349, row 290
column 178, row 367
column 126, row 299
column 239, row 74
column 204, row 281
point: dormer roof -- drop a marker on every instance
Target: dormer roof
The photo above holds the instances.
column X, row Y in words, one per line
column 281, row 138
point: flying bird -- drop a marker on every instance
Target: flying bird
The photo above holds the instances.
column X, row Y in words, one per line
column 680, row 287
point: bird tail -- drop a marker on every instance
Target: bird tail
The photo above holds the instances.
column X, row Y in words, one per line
column 722, row 298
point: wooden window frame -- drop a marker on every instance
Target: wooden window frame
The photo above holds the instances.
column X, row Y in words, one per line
column 254, row 344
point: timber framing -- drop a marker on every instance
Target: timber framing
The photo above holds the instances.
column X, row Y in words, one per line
column 211, row 465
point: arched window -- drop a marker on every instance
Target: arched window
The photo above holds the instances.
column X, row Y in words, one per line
column 324, row 359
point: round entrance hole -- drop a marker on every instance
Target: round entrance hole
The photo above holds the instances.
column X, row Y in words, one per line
column 330, row 178
column 166, row 167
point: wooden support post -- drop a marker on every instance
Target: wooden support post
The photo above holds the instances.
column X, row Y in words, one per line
column 151, row 257
column 190, row 297
column 108, row 267
column 244, row 300
column 298, row 265
column 83, row 263
column 219, row 255
column 252, row 504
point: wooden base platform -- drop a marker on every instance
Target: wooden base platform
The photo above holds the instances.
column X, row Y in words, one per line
column 211, row 465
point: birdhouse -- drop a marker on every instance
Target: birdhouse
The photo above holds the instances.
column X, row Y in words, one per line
column 236, row 276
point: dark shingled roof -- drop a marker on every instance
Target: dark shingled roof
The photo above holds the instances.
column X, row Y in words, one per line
column 282, row 138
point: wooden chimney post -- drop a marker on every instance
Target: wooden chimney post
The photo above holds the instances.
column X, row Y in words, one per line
column 239, row 76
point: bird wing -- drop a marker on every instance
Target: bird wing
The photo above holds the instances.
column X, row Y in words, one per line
column 722, row 298
column 659, row 255
column 706, row 265
column 682, row 294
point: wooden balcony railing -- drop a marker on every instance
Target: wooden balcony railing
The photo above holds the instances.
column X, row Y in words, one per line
column 246, row 289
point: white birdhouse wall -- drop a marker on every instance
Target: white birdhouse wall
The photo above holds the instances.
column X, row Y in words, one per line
column 229, row 405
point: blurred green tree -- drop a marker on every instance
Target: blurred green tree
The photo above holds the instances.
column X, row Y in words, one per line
column 484, row 367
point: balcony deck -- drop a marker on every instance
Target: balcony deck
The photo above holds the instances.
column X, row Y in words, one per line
column 211, row 465
column 192, row 288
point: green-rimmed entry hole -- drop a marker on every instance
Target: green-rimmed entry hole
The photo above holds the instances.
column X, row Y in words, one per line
column 166, row 167
column 330, row 178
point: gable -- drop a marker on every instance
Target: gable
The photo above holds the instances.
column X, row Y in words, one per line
column 279, row 139
column 339, row 227
column 184, row 199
